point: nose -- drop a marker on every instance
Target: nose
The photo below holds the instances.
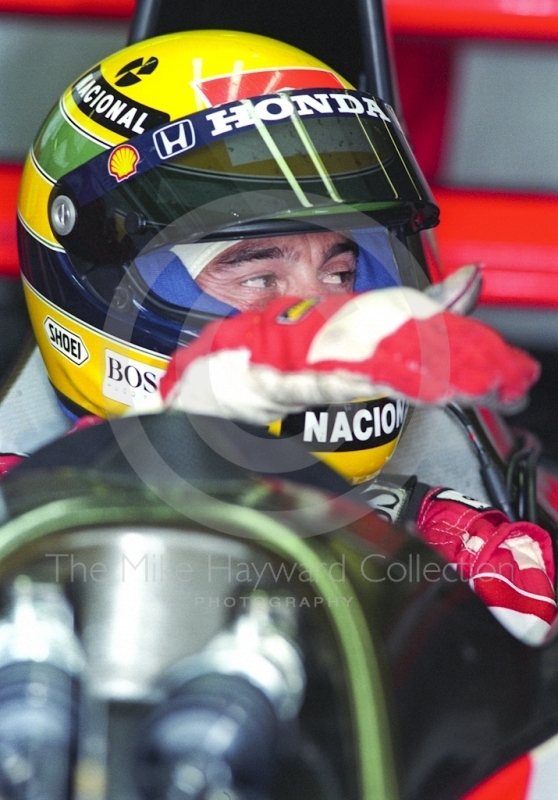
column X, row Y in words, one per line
column 305, row 283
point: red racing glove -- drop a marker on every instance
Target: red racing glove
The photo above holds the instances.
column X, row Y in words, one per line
column 263, row 365
column 510, row 565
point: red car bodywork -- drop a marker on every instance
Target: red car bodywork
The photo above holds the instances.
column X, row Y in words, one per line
column 520, row 261
column 75, row 8
column 10, row 174
column 513, row 235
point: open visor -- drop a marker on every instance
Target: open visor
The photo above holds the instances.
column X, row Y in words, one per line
column 274, row 164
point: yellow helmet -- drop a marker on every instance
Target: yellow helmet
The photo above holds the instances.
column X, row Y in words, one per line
column 355, row 439
column 197, row 139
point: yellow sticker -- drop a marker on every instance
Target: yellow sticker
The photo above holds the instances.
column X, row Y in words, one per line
column 297, row 312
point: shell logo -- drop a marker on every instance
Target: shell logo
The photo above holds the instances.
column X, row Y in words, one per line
column 122, row 162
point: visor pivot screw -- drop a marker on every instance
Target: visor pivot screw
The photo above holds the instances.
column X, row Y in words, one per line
column 417, row 221
column 122, row 299
column 63, row 215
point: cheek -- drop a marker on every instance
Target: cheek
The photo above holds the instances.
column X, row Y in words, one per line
column 338, row 288
column 206, row 281
column 234, row 293
column 245, row 304
column 220, row 286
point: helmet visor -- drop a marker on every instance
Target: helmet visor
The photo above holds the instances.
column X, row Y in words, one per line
column 264, row 166
column 219, row 277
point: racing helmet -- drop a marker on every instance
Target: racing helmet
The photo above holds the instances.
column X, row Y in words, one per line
column 172, row 151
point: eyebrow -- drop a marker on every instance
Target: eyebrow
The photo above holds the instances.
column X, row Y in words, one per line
column 254, row 253
column 251, row 253
column 347, row 246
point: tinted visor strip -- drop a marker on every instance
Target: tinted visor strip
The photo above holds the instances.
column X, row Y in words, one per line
column 315, row 156
column 278, row 156
column 161, row 145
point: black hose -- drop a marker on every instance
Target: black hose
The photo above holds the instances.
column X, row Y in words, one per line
column 490, row 473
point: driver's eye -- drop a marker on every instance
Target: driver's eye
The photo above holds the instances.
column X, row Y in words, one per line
column 260, row 281
column 340, row 278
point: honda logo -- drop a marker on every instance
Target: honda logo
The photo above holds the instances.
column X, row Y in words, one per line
column 174, row 139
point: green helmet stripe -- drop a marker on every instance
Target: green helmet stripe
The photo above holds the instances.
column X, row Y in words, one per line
column 61, row 146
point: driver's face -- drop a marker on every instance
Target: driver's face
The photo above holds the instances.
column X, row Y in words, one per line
column 251, row 273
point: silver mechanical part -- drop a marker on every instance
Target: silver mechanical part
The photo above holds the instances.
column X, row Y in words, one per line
column 63, row 215
column 256, row 649
column 40, row 627
column 160, row 597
